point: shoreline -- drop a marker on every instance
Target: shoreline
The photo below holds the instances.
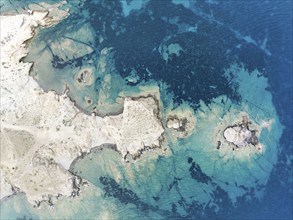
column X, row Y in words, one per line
column 57, row 149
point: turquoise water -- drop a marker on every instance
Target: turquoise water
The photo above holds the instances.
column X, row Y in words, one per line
column 221, row 72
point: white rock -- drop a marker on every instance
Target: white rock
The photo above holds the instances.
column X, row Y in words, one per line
column 136, row 127
column 41, row 133
column 180, row 122
column 237, row 136
column 173, row 123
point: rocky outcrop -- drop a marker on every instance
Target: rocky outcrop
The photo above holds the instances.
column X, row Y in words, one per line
column 241, row 135
column 41, row 133
column 137, row 127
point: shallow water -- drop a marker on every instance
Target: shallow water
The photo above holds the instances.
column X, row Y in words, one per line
column 124, row 49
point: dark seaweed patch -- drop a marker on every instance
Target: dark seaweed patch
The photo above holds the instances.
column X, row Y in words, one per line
column 126, row 196
column 197, row 174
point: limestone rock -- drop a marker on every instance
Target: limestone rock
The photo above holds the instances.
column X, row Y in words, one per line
column 41, row 133
column 137, row 127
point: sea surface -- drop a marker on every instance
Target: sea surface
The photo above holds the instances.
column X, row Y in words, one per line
column 213, row 56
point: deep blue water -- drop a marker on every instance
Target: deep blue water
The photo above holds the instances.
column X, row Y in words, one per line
column 256, row 33
column 222, row 36
column 223, row 29
column 272, row 20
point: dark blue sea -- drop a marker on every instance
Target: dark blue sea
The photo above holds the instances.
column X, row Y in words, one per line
column 185, row 47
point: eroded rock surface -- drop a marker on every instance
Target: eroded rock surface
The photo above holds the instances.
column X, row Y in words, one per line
column 41, row 133
column 181, row 121
column 241, row 135
column 137, row 127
